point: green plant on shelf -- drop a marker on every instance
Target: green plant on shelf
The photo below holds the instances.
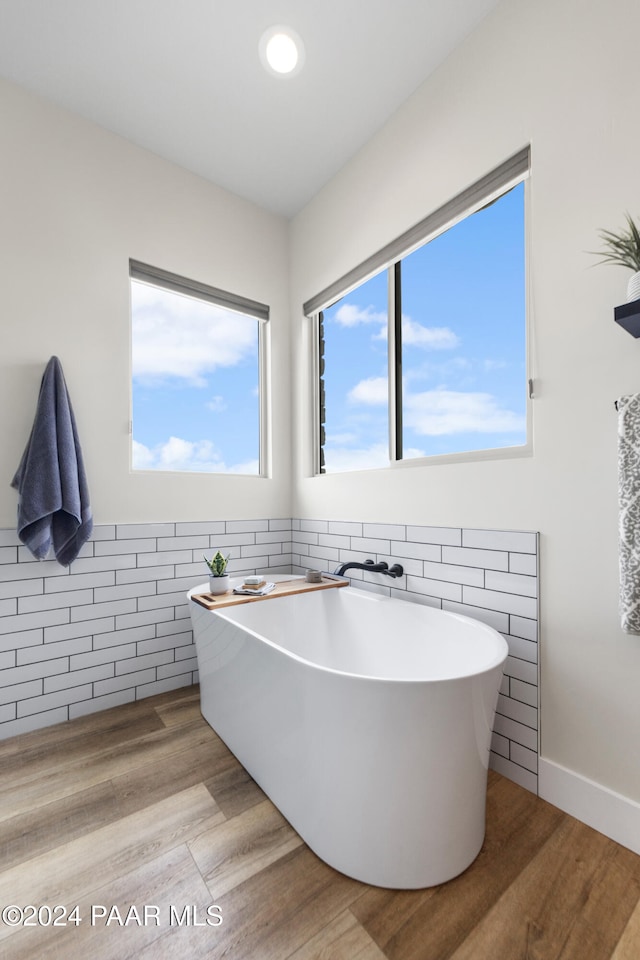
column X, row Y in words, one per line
column 218, row 564
column 622, row 248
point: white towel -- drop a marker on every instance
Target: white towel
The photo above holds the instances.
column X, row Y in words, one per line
column 268, row 587
column 629, row 501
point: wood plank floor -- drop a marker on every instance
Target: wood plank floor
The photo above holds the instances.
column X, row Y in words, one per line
column 143, row 807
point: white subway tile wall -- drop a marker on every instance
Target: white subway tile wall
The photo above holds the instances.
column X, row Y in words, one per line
column 491, row 575
column 115, row 626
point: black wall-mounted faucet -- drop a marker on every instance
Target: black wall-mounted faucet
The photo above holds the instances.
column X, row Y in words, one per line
column 382, row 567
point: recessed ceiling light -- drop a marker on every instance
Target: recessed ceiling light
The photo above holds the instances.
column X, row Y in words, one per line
column 281, row 51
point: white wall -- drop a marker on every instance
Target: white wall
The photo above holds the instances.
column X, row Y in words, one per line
column 562, row 76
column 76, row 203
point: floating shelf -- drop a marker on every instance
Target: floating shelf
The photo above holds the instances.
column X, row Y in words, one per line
column 628, row 316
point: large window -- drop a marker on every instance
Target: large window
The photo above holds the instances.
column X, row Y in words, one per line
column 427, row 357
column 197, row 373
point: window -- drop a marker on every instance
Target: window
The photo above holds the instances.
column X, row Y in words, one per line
column 197, row 376
column 427, row 357
column 355, row 361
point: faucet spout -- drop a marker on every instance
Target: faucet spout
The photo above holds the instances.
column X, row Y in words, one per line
column 381, row 567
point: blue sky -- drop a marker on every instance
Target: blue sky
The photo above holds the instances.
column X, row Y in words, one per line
column 464, row 368
column 195, row 401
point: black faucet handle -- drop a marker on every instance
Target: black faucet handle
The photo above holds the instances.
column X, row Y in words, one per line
column 397, row 570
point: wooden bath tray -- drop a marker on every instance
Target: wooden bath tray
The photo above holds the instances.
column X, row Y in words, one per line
column 282, row 588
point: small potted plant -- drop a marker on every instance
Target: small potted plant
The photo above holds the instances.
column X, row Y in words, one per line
column 623, row 249
column 218, row 576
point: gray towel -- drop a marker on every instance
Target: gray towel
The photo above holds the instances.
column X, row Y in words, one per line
column 629, row 497
column 54, row 503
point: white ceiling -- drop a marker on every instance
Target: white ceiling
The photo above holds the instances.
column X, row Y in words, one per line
column 182, row 78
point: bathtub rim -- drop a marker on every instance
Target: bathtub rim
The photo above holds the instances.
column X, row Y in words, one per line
column 226, row 613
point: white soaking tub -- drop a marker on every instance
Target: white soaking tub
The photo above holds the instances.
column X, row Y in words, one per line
column 366, row 720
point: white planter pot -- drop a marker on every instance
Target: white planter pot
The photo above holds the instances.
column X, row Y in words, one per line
column 633, row 288
column 219, row 584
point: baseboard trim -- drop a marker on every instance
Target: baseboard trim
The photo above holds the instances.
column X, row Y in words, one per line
column 608, row 812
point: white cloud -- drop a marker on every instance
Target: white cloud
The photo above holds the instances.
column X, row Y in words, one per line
column 376, row 456
column 142, row 456
column 490, row 365
column 199, row 456
column 430, row 338
column 350, row 314
column 414, row 334
column 339, row 460
column 251, row 467
column 439, row 412
column 217, row 404
column 178, row 454
column 457, row 368
column 176, row 336
column 342, row 439
column 373, row 391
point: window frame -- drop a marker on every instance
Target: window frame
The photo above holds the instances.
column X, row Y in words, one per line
column 482, row 193
column 175, row 283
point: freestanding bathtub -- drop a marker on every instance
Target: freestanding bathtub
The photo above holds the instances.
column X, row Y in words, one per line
column 366, row 720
